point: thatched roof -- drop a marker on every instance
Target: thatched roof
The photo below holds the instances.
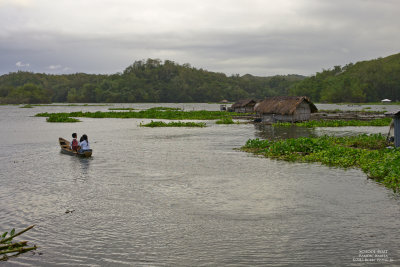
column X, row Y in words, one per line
column 244, row 102
column 285, row 105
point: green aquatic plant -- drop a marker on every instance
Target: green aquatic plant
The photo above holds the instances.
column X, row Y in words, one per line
column 164, row 108
column 71, row 105
column 130, row 109
column 362, row 111
column 173, row 124
column 8, row 248
column 367, row 152
column 225, row 120
column 337, row 123
column 150, row 109
column 27, row 106
column 60, row 118
column 148, row 114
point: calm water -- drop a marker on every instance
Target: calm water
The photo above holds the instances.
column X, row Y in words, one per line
column 183, row 197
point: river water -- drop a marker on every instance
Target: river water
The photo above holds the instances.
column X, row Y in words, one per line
column 184, row 197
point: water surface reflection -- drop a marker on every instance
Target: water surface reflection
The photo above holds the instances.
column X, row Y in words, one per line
column 280, row 132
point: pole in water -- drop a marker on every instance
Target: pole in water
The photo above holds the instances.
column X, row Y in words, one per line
column 397, row 131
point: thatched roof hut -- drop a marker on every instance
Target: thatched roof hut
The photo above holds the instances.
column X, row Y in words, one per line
column 244, row 105
column 286, row 108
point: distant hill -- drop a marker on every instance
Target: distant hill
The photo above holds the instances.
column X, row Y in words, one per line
column 155, row 81
column 365, row 81
column 143, row 81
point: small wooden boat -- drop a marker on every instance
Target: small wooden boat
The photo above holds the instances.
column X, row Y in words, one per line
column 66, row 149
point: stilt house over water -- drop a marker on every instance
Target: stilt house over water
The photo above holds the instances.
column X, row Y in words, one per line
column 244, row 106
column 285, row 109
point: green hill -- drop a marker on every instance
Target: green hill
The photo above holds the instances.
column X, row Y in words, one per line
column 365, row 81
column 143, row 81
column 156, row 81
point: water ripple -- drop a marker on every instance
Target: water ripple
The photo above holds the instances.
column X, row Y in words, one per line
column 183, row 197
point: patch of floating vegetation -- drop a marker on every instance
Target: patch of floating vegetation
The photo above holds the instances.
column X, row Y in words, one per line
column 337, row 123
column 60, row 118
column 173, row 124
column 367, row 152
column 226, row 120
column 130, row 109
column 164, row 108
column 362, row 111
column 150, row 109
column 149, row 114
column 71, row 105
column 27, row 106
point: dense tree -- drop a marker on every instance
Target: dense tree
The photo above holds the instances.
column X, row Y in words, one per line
column 145, row 81
column 28, row 93
column 366, row 81
column 152, row 80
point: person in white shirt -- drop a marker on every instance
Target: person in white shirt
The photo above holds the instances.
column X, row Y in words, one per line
column 84, row 143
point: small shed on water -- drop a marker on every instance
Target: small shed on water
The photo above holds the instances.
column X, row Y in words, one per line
column 396, row 126
column 285, row 109
column 244, row 106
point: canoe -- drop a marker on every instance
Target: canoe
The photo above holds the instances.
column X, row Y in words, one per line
column 65, row 148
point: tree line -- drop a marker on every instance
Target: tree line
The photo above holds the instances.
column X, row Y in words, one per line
column 365, row 81
column 148, row 80
column 152, row 80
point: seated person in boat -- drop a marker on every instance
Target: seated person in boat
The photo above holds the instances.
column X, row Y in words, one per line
column 84, row 144
column 74, row 143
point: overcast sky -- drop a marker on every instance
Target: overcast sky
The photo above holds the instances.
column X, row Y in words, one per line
column 259, row 37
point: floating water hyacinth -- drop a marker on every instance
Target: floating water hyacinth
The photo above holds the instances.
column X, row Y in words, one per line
column 337, row 123
column 60, row 118
column 148, row 114
column 173, row 124
column 367, row 152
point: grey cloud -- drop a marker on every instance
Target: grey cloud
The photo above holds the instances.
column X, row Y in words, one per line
column 319, row 34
